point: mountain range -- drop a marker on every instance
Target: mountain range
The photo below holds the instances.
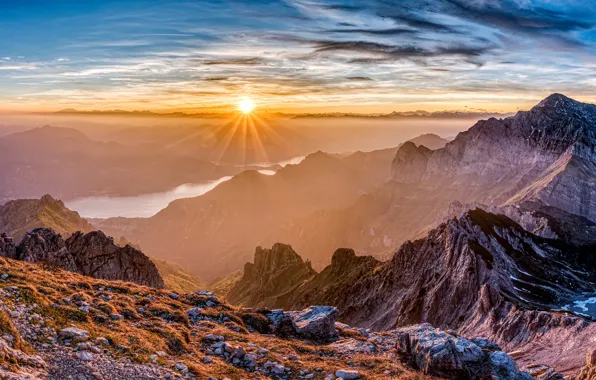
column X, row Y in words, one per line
column 522, row 271
column 255, row 209
column 67, row 164
column 490, row 235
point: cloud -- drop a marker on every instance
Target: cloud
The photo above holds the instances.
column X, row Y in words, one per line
column 421, row 23
column 314, row 51
column 234, row 62
column 341, row 7
column 359, row 79
column 381, row 32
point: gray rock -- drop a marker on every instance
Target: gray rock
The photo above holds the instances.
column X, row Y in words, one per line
column 73, row 333
column 347, row 374
column 437, row 353
column 316, row 322
column 85, row 356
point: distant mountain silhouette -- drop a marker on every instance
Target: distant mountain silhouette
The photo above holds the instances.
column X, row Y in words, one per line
column 67, row 164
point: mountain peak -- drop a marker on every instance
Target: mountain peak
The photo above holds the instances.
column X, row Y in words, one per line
column 557, row 100
column 274, row 271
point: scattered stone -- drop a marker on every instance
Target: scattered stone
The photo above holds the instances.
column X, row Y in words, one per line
column 181, row 367
column 85, row 356
column 74, row 333
column 206, row 360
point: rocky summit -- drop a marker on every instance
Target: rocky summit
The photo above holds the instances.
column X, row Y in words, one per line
column 17, row 217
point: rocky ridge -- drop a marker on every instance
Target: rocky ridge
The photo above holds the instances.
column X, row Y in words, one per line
column 544, row 154
column 20, row 216
column 93, row 254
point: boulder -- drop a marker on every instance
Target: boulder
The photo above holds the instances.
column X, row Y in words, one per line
column 282, row 323
column 316, row 322
column 437, row 353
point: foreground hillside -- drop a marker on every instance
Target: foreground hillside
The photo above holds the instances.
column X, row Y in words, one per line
column 57, row 324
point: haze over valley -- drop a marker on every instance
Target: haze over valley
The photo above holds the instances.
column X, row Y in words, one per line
column 298, row 189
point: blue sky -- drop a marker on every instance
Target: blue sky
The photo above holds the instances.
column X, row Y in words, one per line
column 303, row 55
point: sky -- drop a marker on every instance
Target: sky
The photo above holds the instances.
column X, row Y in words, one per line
column 294, row 55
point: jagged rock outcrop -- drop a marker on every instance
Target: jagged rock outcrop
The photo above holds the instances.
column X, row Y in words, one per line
column 23, row 215
column 93, row 254
column 588, row 372
column 7, row 247
column 274, row 273
column 43, row 245
column 333, row 283
column 97, row 255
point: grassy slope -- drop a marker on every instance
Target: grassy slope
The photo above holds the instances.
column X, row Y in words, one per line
column 176, row 278
column 164, row 325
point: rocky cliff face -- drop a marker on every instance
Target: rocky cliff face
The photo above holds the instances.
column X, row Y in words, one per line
column 544, row 154
column 93, row 254
column 275, row 271
column 481, row 273
column 439, row 279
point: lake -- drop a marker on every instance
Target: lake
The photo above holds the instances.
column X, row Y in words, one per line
column 146, row 205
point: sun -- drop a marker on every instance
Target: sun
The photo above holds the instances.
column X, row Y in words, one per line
column 246, row 106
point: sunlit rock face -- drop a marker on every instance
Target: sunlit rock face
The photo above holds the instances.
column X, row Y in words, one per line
column 547, row 154
column 481, row 273
column 274, row 272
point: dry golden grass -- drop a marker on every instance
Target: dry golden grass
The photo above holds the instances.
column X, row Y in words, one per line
column 165, row 326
